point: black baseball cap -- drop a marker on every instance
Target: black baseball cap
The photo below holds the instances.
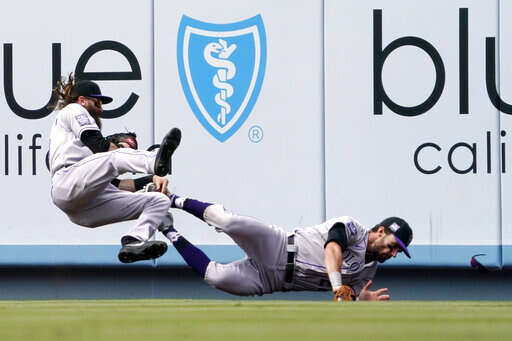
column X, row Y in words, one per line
column 401, row 230
column 89, row 89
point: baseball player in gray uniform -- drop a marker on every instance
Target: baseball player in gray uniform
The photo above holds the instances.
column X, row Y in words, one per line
column 339, row 255
column 84, row 166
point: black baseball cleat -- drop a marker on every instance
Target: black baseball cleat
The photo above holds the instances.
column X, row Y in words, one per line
column 134, row 250
column 169, row 144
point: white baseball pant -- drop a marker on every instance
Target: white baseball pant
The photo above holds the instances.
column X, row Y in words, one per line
column 84, row 192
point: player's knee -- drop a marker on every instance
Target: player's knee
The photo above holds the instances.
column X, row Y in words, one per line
column 216, row 215
column 84, row 221
column 160, row 200
column 218, row 277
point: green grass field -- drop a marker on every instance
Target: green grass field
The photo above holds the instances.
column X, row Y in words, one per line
column 152, row 320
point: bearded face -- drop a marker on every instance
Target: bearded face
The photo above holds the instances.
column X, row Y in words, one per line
column 93, row 106
column 382, row 248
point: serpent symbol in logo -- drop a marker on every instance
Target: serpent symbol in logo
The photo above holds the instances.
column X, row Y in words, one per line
column 221, row 95
column 227, row 71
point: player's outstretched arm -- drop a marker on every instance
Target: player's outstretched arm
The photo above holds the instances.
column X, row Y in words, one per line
column 133, row 185
column 126, row 185
column 378, row 295
column 333, row 259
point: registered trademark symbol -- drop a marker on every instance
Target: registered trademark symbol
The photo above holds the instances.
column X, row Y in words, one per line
column 255, row 134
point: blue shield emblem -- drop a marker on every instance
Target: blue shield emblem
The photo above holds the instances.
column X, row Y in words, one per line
column 221, row 69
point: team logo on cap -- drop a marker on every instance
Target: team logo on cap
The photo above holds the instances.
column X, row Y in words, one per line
column 394, row 227
column 221, row 69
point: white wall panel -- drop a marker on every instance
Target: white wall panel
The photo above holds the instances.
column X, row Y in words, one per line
column 503, row 49
column 278, row 179
column 326, row 148
column 29, row 215
column 371, row 172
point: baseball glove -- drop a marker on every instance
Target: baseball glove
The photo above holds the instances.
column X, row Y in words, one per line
column 344, row 293
column 129, row 138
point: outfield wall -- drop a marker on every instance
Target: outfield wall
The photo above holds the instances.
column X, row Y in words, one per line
column 368, row 109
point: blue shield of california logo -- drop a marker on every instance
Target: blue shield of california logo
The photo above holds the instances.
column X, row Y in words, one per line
column 221, row 69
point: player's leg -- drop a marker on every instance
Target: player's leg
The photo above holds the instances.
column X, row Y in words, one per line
column 237, row 278
column 260, row 241
column 114, row 205
column 79, row 183
column 191, row 254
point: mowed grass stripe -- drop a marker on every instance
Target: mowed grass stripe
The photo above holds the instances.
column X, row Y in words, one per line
column 252, row 320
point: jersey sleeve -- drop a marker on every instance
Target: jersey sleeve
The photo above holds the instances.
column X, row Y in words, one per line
column 355, row 231
column 95, row 141
column 337, row 234
column 80, row 120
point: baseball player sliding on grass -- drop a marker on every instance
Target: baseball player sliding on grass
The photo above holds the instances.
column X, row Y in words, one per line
column 84, row 166
column 339, row 255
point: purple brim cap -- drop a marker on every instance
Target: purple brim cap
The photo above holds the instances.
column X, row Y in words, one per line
column 104, row 99
column 402, row 246
column 89, row 89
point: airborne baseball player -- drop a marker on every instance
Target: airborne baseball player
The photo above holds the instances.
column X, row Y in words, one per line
column 339, row 255
column 84, row 166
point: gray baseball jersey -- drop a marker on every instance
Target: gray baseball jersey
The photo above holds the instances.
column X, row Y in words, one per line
column 310, row 273
column 65, row 145
column 81, row 180
column 263, row 270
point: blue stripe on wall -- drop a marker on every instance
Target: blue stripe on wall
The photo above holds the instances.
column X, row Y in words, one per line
column 106, row 255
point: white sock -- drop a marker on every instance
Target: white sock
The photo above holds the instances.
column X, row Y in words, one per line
column 179, row 202
column 173, row 236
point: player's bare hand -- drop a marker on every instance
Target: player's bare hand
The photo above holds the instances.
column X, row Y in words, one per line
column 370, row 295
column 160, row 183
